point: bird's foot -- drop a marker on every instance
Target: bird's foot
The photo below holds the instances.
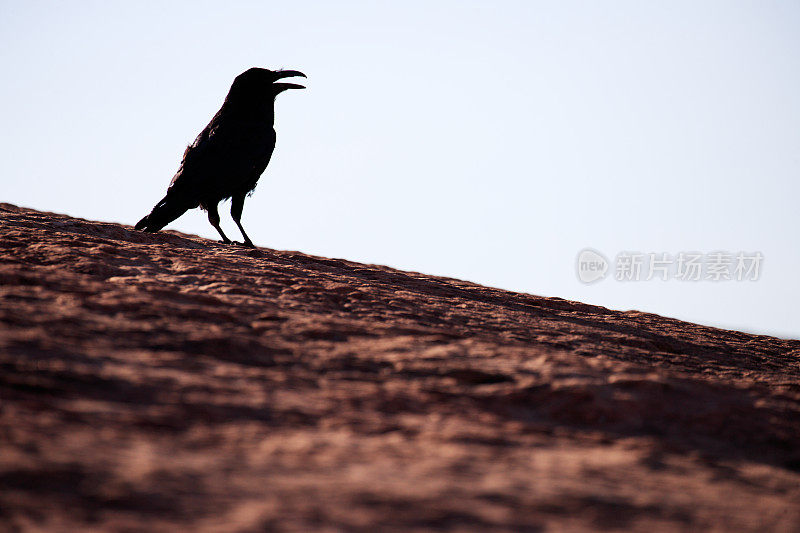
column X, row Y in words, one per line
column 246, row 244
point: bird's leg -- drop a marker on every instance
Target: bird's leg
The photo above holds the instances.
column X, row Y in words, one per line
column 237, row 205
column 213, row 217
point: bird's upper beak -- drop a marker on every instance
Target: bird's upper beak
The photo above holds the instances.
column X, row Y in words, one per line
column 287, row 74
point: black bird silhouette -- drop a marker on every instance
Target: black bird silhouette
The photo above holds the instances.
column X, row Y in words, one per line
column 229, row 155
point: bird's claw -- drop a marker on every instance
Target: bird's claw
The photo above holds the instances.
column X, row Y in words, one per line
column 245, row 244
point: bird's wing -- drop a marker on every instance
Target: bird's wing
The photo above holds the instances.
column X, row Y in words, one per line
column 224, row 157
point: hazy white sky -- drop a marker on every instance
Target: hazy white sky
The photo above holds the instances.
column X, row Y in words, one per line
column 487, row 141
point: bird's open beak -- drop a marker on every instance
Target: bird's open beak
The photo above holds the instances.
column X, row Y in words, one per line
column 287, row 74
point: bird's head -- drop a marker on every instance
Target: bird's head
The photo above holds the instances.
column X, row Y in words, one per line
column 256, row 82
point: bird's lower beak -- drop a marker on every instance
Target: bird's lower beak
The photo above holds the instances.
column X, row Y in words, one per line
column 280, row 87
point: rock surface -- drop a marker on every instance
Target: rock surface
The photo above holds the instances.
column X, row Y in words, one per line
column 166, row 382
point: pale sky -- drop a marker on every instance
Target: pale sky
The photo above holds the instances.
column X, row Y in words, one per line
column 486, row 141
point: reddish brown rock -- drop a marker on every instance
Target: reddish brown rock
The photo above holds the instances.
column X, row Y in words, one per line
column 155, row 382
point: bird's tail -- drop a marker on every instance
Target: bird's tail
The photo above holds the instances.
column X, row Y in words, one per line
column 165, row 211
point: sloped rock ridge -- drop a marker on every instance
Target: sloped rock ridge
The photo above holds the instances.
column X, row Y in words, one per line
column 167, row 382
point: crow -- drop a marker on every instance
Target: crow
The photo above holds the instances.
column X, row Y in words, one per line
column 229, row 155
